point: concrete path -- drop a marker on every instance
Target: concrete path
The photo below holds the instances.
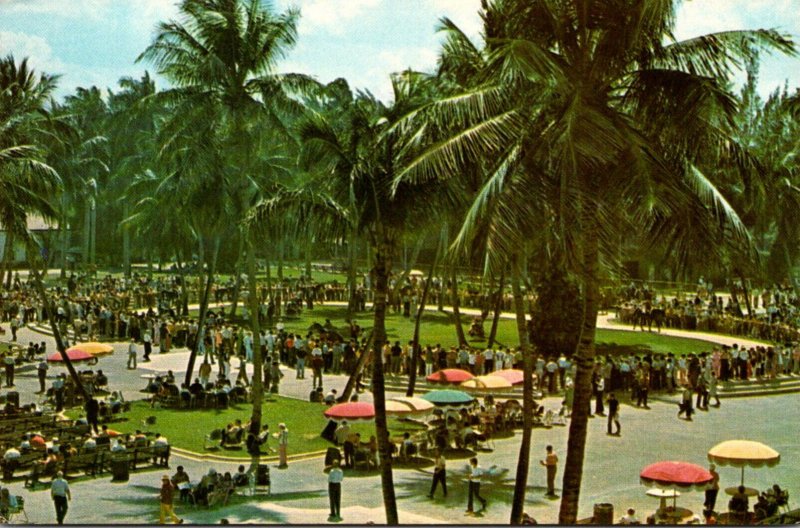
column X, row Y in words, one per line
column 299, row 493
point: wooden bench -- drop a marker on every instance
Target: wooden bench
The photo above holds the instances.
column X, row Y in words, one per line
column 23, row 462
column 151, row 454
column 86, row 462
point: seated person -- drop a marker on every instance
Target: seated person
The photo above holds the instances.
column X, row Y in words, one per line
column 630, row 517
column 185, row 395
column 139, row 439
column 739, row 503
column 101, row 380
column 117, row 446
column 154, row 386
column 89, row 442
column 407, row 448
column 196, row 387
column 241, row 478
column 222, row 491
column 181, row 481
column 206, row 485
column 233, row 433
column 316, row 395
column 11, row 460
column 372, row 448
column 160, row 449
column 7, row 502
column 330, row 398
column 169, row 378
column 116, row 402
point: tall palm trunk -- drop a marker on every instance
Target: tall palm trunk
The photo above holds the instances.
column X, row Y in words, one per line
column 237, row 286
column 521, row 481
column 51, row 312
column 351, row 380
column 584, row 359
column 126, row 242
column 352, row 248
column 462, row 339
column 307, row 250
column 498, row 306
column 8, row 252
column 412, row 370
column 64, row 232
column 382, row 269
column 201, row 319
column 258, row 387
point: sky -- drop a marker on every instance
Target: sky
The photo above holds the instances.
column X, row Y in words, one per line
column 96, row 42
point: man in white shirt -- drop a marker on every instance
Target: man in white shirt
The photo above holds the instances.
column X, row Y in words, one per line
column 475, row 473
column 132, row 354
column 335, row 478
column 60, row 493
column 630, row 517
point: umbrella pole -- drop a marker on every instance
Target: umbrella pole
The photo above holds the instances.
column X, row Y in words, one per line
column 742, row 475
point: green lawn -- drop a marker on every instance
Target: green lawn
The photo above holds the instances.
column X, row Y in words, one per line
column 439, row 328
column 187, row 429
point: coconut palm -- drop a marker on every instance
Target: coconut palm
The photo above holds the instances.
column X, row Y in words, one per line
column 596, row 101
column 26, row 181
column 221, row 57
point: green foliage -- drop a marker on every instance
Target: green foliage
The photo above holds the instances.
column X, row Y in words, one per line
column 556, row 316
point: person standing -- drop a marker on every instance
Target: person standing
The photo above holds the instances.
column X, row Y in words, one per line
column 439, row 473
column 335, row 477
column 475, row 473
column 59, row 492
column 686, row 403
column 41, row 372
column 92, row 412
column 132, row 354
column 167, row 492
column 283, row 443
column 550, row 462
column 8, row 361
column 713, row 489
column 148, row 345
column 613, row 414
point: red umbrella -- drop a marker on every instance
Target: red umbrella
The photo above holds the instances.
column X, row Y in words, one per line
column 351, row 411
column 450, row 376
column 514, row 376
column 72, row 354
column 671, row 475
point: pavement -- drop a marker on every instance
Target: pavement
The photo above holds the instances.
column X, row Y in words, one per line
column 299, row 493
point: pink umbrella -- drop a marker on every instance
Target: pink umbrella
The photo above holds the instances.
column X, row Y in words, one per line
column 671, row 475
column 351, row 411
column 514, row 376
column 454, row 376
column 72, row 354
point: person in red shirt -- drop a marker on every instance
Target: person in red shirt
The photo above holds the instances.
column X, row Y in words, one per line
column 167, row 492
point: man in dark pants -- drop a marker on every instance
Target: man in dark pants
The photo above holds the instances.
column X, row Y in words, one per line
column 439, row 474
column 59, row 491
column 41, row 372
column 475, row 472
column 9, row 363
column 613, row 414
column 92, row 412
column 335, row 478
column 713, row 489
column 551, row 463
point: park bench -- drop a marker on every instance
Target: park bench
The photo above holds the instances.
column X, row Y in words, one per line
column 155, row 455
column 25, row 461
column 86, row 463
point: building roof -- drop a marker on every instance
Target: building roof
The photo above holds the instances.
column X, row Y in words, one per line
column 37, row 223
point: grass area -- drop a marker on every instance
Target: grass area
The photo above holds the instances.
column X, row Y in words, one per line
column 440, row 328
column 187, row 429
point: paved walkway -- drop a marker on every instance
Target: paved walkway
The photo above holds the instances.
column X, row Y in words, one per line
column 299, row 492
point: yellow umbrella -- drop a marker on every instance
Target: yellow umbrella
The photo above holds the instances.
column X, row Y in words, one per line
column 487, row 383
column 741, row 453
column 94, row 348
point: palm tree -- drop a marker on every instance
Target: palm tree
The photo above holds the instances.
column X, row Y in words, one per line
column 222, row 57
column 585, row 97
column 26, row 181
